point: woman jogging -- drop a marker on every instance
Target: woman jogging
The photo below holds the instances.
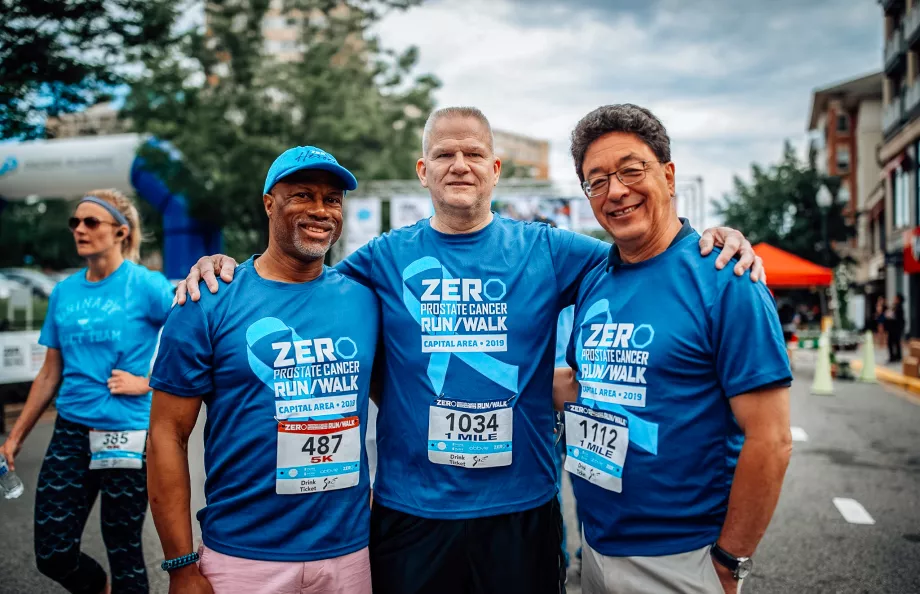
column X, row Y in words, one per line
column 101, row 331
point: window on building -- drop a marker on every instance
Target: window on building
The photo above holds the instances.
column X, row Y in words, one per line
column 916, row 188
column 900, row 190
column 843, row 158
column 881, row 234
column 843, row 123
column 873, row 236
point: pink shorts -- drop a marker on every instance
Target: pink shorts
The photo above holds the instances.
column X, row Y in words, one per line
column 348, row 574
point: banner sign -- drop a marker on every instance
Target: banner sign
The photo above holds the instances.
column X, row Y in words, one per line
column 558, row 211
column 408, row 210
column 362, row 222
column 912, row 251
column 20, row 356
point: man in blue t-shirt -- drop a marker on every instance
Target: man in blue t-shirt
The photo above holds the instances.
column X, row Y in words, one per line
column 282, row 358
column 465, row 493
column 679, row 439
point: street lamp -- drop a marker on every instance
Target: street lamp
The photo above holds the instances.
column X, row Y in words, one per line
column 825, row 199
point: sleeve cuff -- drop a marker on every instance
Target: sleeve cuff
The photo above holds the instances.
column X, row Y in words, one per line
column 183, row 391
column 775, row 378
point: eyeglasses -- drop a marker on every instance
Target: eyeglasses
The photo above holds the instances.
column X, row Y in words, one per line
column 628, row 175
column 90, row 222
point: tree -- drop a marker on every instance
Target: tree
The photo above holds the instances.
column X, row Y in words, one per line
column 229, row 109
column 59, row 57
column 36, row 232
column 779, row 207
column 511, row 170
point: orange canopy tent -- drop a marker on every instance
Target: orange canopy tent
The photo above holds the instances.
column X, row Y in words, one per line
column 787, row 271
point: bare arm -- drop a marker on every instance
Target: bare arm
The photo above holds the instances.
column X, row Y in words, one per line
column 376, row 387
column 764, row 418
column 172, row 419
column 126, row 384
column 43, row 389
column 733, row 242
column 565, row 388
column 204, row 270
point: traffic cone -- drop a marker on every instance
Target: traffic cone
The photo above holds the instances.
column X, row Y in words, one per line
column 867, row 374
column 823, row 384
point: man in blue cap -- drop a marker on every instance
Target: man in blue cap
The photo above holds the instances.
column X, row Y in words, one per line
column 282, row 358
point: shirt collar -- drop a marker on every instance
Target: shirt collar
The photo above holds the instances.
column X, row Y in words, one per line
column 614, row 260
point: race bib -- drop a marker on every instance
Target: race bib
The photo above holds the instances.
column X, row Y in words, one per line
column 596, row 443
column 470, row 434
column 117, row 449
column 316, row 456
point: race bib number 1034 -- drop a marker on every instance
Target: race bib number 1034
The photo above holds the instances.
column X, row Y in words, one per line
column 470, row 434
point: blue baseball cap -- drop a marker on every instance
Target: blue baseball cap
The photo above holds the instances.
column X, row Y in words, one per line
column 307, row 157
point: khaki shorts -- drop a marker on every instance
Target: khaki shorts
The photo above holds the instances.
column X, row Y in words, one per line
column 684, row 573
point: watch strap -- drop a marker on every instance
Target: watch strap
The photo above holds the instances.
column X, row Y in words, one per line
column 724, row 558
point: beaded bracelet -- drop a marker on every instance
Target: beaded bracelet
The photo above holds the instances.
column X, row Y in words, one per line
column 178, row 562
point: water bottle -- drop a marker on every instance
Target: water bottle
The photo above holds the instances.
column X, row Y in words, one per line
column 10, row 485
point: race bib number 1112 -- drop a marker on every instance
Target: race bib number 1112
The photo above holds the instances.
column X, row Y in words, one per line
column 596, row 444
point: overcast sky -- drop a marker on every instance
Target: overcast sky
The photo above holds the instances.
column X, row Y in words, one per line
column 730, row 79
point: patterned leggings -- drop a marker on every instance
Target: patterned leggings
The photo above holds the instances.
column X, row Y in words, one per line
column 67, row 489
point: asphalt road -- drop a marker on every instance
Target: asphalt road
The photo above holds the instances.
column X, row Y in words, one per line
column 18, row 574
column 863, row 444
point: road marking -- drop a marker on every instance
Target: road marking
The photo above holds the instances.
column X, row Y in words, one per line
column 798, row 434
column 853, row 511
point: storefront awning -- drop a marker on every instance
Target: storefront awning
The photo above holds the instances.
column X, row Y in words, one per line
column 788, row 271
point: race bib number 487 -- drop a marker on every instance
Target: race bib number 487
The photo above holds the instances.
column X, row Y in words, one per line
column 596, row 443
column 316, row 456
column 470, row 434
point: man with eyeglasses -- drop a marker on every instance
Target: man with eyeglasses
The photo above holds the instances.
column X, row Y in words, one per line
column 678, row 437
column 465, row 492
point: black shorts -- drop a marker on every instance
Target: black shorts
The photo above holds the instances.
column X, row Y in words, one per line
column 516, row 553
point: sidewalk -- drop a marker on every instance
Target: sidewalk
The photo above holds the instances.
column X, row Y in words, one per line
column 889, row 373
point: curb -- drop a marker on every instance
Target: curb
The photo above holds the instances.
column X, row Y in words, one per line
column 894, row 378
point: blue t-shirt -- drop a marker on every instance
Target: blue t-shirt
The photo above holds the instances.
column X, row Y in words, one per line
column 471, row 320
column 102, row 326
column 259, row 352
column 666, row 343
column 564, row 334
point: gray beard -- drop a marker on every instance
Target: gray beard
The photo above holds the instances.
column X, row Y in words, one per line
column 311, row 250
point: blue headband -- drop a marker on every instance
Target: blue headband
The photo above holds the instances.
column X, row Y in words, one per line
column 119, row 218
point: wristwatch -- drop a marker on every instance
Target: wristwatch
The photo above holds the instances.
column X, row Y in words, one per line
column 741, row 567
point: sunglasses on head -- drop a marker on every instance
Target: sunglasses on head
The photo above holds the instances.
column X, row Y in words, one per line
column 90, row 222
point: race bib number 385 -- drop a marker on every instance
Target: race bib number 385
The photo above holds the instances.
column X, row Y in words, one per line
column 316, row 456
column 596, row 443
column 117, row 449
column 470, row 434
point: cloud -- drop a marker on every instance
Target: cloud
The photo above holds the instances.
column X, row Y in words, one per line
column 731, row 80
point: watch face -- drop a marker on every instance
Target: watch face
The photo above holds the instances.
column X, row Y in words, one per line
column 745, row 567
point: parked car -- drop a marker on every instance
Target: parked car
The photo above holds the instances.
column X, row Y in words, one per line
column 59, row 275
column 7, row 286
column 36, row 280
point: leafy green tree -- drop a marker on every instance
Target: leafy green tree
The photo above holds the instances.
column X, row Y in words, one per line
column 229, row 108
column 58, row 57
column 779, row 207
column 511, row 170
column 36, row 234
